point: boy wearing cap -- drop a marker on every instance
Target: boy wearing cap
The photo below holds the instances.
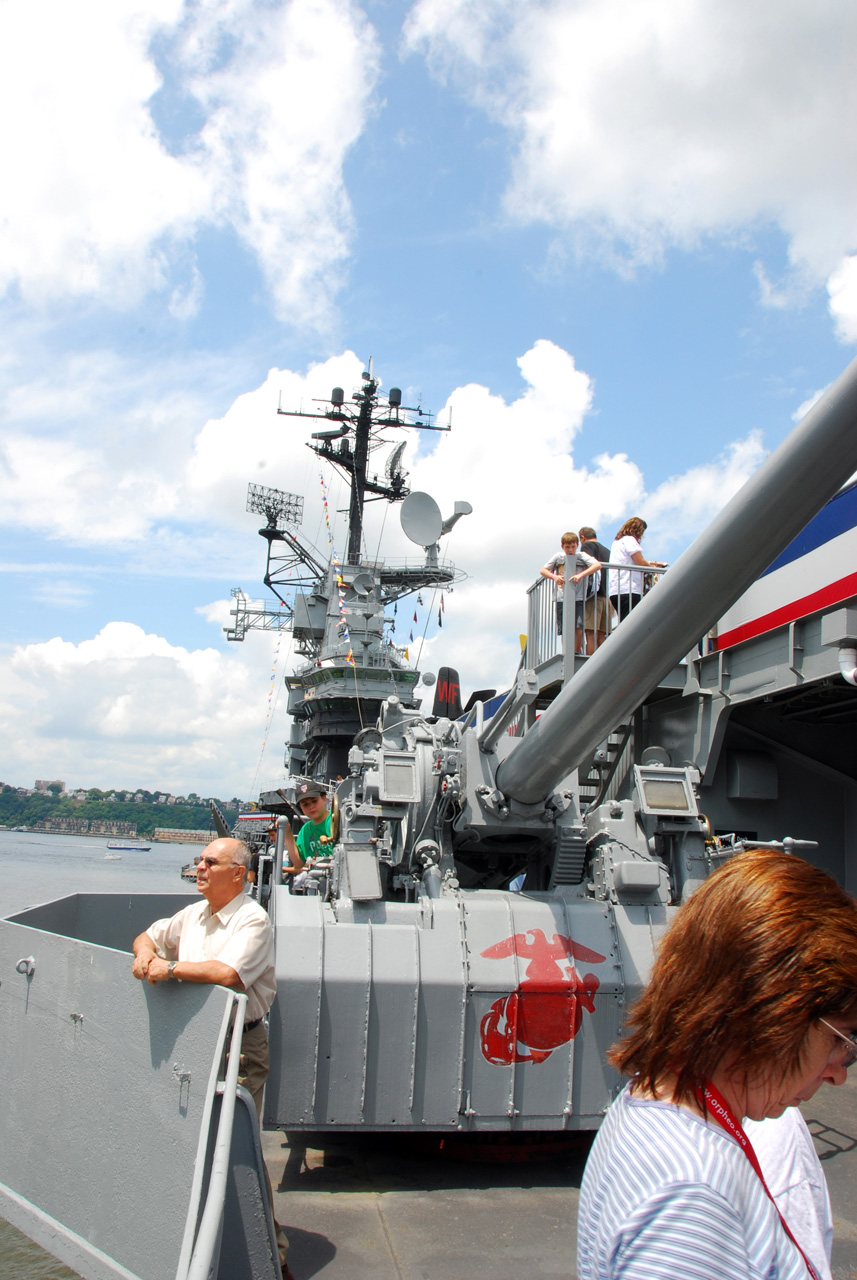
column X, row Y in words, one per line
column 313, row 839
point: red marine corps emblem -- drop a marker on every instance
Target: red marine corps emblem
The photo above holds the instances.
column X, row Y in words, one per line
column 546, row 1010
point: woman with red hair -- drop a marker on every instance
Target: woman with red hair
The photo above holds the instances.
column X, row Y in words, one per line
column 751, row 1007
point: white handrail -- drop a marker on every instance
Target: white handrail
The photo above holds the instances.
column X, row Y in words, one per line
column 211, row 1222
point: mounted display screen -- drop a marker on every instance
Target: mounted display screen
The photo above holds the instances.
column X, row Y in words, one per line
column 398, row 777
column 664, row 791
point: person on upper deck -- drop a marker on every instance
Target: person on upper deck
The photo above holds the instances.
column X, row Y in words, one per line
column 626, row 584
column 586, row 565
column 750, row 1008
column 597, row 611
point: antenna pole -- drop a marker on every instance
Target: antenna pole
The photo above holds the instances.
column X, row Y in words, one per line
column 361, row 458
column 354, row 459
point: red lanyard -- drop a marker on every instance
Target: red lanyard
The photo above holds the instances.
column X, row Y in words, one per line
column 711, row 1099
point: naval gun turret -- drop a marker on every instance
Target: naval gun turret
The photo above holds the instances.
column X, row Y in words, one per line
column 417, row 989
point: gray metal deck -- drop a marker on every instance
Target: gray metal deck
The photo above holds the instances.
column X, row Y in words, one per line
column 363, row 1207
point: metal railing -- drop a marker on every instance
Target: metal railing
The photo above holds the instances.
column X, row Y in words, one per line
column 611, row 782
column 207, row 1239
column 600, row 618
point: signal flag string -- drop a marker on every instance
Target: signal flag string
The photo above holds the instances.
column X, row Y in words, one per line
column 429, row 612
column 441, row 610
column 273, row 699
column 340, row 587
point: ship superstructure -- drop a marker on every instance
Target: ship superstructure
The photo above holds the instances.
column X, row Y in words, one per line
column 606, row 787
column 338, row 610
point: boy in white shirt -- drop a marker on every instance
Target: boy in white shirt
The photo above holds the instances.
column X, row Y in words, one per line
column 555, row 569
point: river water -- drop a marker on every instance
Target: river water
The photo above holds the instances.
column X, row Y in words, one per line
column 34, row 868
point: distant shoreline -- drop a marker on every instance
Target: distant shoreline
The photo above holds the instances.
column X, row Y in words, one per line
column 162, row 835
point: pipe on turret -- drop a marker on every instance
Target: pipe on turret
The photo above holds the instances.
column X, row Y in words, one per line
column 772, row 507
column 282, row 823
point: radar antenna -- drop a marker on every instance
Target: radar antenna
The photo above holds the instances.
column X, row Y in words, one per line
column 357, row 430
column 394, row 471
column 336, row 609
column 281, row 509
column 278, row 507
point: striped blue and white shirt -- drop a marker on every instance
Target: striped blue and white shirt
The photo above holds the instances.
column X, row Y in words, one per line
column 666, row 1196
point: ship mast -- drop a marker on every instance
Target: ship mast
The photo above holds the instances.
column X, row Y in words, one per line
column 353, row 429
column 337, row 610
column 349, row 444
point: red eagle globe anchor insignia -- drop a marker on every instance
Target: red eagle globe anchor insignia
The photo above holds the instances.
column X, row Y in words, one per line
column 546, row 1009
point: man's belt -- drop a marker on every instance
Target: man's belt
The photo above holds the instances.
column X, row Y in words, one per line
column 248, row 1026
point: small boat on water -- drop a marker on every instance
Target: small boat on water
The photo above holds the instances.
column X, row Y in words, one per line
column 112, row 857
column 132, row 846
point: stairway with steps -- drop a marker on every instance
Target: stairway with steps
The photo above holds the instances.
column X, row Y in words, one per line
column 606, row 769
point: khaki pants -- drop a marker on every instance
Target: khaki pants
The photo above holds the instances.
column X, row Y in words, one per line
column 254, row 1065
column 596, row 618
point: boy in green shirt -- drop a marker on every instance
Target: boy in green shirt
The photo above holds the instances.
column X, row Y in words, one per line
column 313, row 839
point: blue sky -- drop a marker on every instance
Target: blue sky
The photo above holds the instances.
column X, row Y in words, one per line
column 619, row 238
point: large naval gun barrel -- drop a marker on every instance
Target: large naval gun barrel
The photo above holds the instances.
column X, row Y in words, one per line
column 769, row 510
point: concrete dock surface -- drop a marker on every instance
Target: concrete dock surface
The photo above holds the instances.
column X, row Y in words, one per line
column 364, row 1207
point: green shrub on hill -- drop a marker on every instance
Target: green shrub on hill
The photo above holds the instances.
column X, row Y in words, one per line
column 26, row 811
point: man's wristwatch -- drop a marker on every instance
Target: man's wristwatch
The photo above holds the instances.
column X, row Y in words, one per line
column 171, row 970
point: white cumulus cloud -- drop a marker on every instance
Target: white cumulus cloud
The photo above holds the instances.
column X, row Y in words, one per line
column 128, row 708
column 99, row 202
column 641, row 124
column 842, row 287
column 681, row 506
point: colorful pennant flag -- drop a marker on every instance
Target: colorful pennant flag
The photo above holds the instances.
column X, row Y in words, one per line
column 340, row 585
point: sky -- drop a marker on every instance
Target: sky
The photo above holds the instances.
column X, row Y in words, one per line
column 617, row 238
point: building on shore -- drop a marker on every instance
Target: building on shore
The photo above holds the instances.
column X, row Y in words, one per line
column 82, row 827
column 175, row 835
column 104, row 827
column 62, row 826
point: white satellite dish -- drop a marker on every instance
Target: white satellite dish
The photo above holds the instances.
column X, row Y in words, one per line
column 421, row 519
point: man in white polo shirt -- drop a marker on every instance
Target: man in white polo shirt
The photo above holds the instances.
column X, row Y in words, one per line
column 226, row 940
